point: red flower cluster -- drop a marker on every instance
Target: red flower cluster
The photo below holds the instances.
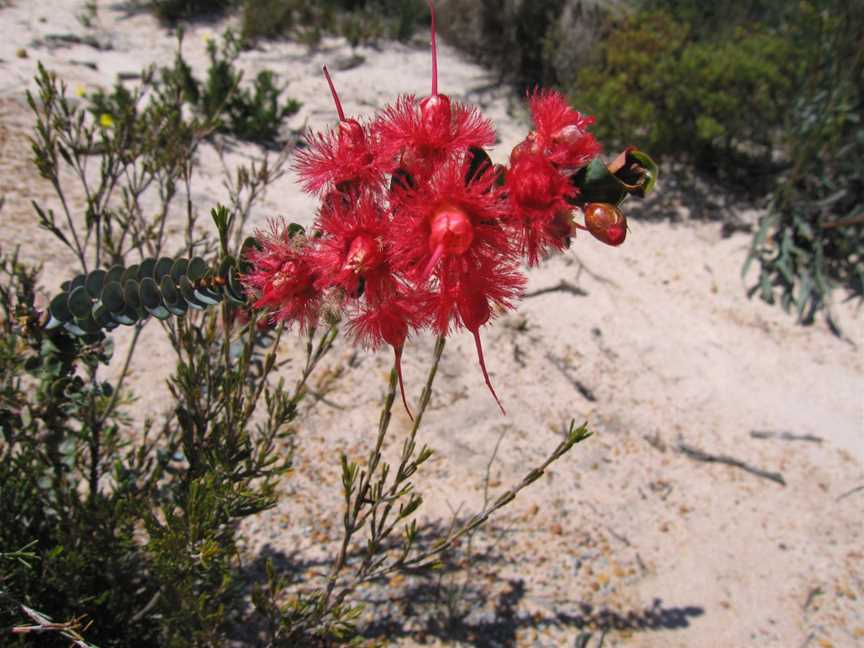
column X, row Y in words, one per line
column 416, row 227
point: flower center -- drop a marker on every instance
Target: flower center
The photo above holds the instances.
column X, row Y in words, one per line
column 363, row 255
column 451, row 230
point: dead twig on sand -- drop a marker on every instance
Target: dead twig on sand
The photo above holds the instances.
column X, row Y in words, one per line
column 561, row 286
column 857, row 489
column 700, row 455
column 782, row 435
column 563, row 367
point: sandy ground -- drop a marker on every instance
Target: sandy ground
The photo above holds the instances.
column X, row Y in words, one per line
column 659, row 346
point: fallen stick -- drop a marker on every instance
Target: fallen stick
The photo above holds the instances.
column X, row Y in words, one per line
column 784, row 436
column 562, row 286
column 858, row 489
column 559, row 363
column 699, row 455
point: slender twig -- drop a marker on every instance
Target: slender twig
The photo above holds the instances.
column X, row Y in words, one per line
column 123, row 373
column 561, row 365
column 561, row 286
column 699, row 455
column 858, row 489
column 784, row 436
column 575, row 435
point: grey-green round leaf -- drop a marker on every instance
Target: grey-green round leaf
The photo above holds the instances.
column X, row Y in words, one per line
column 131, row 293
column 59, row 307
column 79, row 302
column 188, row 292
column 163, row 268
column 197, row 269
column 94, row 283
column 146, row 268
column 149, row 293
column 179, row 269
column 130, row 273
column 112, row 297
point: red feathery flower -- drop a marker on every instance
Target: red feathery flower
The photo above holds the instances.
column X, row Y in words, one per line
column 538, row 194
column 421, row 134
column 560, row 132
column 445, row 220
column 350, row 253
column 344, row 159
column 451, row 232
column 281, row 280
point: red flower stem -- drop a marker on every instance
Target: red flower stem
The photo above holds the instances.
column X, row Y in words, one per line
column 333, row 92
column 483, row 367
column 397, row 352
column 434, row 52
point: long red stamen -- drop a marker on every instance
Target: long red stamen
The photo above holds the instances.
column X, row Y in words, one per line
column 483, row 367
column 436, row 256
column 434, row 52
column 397, row 351
column 333, row 92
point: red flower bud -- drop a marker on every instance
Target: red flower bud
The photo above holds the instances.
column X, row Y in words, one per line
column 451, row 230
column 606, row 223
column 435, row 114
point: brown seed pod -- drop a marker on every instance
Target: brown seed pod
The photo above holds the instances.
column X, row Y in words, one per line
column 606, row 223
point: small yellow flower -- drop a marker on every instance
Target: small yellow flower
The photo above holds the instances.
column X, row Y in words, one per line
column 106, row 120
column 80, row 90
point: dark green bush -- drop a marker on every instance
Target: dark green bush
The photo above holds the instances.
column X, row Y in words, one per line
column 358, row 21
column 812, row 238
column 253, row 113
column 174, row 10
column 720, row 101
column 764, row 96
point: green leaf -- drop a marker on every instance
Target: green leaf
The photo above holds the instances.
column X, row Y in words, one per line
column 179, row 270
column 79, row 302
column 146, row 269
column 197, row 269
column 152, row 300
column 188, row 292
column 59, row 308
column 131, row 293
column 112, row 297
column 162, row 269
column 115, row 273
column 129, row 274
column 597, row 184
column 94, row 282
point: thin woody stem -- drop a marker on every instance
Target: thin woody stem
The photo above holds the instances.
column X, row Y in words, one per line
column 357, row 496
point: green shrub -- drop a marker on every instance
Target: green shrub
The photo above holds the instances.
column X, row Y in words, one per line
column 174, row 10
column 358, row 21
column 811, row 241
column 224, row 104
column 251, row 114
column 720, row 102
